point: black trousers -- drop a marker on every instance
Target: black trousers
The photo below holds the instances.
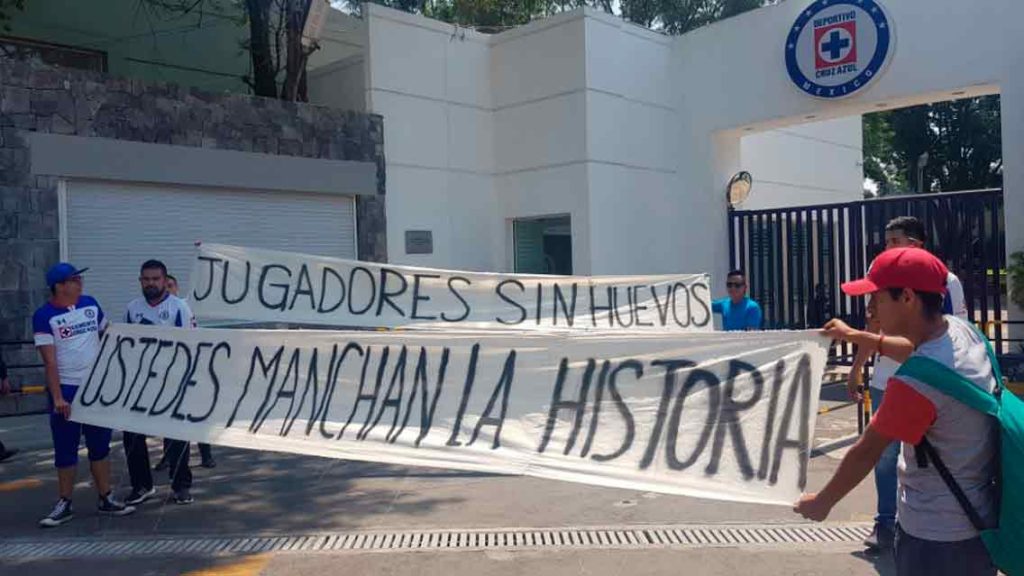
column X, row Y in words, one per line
column 139, row 470
column 204, row 450
column 918, row 557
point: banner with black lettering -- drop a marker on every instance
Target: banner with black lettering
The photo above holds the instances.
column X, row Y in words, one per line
column 233, row 283
column 716, row 415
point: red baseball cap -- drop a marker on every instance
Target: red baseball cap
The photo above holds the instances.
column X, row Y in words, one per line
column 913, row 268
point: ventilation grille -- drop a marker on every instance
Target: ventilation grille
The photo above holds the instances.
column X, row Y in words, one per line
column 438, row 540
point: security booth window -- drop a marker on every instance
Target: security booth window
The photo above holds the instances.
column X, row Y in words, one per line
column 543, row 245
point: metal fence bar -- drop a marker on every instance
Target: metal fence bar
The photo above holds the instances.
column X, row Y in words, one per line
column 731, row 222
column 995, row 211
column 743, row 242
column 797, row 257
column 780, row 299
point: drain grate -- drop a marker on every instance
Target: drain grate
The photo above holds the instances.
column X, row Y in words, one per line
column 440, row 540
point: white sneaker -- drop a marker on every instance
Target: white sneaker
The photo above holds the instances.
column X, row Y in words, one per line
column 108, row 506
column 139, row 496
column 61, row 514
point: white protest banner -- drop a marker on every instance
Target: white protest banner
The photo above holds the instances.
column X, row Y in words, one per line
column 716, row 415
column 232, row 283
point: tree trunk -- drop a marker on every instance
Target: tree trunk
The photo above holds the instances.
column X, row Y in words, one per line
column 295, row 65
column 264, row 75
column 304, row 87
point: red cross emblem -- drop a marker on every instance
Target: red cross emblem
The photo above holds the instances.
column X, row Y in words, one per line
column 835, row 45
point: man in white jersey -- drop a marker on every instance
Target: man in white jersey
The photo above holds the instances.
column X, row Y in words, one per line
column 934, row 536
column 158, row 307
column 205, row 451
column 67, row 334
column 901, row 232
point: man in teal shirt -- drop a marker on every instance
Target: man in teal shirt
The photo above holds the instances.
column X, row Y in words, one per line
column 738, row 311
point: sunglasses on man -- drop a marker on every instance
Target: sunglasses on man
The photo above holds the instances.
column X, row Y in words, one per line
column 735, row 284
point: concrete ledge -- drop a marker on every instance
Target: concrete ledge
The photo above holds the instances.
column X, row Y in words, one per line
column 123, row 160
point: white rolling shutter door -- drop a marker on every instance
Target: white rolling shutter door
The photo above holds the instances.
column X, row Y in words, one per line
column 113, row 227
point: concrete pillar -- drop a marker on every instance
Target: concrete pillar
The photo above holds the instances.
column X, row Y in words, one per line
column 725, row 164
column 1012, row 99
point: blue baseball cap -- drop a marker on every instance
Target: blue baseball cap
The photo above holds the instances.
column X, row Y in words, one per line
column 62, row 272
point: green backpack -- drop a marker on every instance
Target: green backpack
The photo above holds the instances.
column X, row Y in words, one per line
column 1004, row 542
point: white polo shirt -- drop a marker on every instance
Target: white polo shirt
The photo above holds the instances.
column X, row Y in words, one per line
column 171, row 311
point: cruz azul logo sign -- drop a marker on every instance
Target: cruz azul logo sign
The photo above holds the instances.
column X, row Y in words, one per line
column 837, row 47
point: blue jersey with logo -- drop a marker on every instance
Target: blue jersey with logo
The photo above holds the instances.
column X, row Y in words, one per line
column 736, row 317
column 75, row 334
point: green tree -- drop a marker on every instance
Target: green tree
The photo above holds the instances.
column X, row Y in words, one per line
column 880, row 156
column 7, row 9
column 963, row 140
column 669, row 16
column 488, row 15
column 967, row 149
column 277, row 53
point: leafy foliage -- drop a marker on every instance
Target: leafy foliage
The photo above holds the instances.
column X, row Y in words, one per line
column 7, row 9
column 963, row 139
column 1016, row 272
column 277, row 56
column 669, row 16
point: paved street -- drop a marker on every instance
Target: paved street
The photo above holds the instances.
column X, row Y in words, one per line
column 269, row 513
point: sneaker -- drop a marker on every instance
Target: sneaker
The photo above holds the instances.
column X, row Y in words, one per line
column 209, row 463
column 138, row 496
column 882, row 538
column 108, row 506
column 61, row 513
column 8, row 453
column 182, row 497
column 161, row 465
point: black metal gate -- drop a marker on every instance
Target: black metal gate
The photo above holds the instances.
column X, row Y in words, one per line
column 796, row 258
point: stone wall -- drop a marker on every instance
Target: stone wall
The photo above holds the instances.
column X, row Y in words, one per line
column 34, row 97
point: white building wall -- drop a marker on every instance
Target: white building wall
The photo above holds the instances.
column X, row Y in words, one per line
column 431, row 84
column 817, row 163
column 340, row 84
column 540, row 127
column 577, row 115
column 342, row 37
column 630, row 148
column 337, row 70
column 730, row 78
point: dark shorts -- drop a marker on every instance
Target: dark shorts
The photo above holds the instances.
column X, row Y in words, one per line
column 67, row 435
column 915, row 556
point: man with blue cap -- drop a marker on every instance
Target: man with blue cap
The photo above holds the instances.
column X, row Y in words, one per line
column 67, row 334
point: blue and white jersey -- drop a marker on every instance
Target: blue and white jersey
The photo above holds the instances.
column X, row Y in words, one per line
column 171, row 311
column 75, row 333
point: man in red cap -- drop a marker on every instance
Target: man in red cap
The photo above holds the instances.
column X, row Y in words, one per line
column 934, row 536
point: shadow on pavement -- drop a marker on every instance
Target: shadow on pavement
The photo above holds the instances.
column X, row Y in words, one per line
column 249, row 492
column 883, row 563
